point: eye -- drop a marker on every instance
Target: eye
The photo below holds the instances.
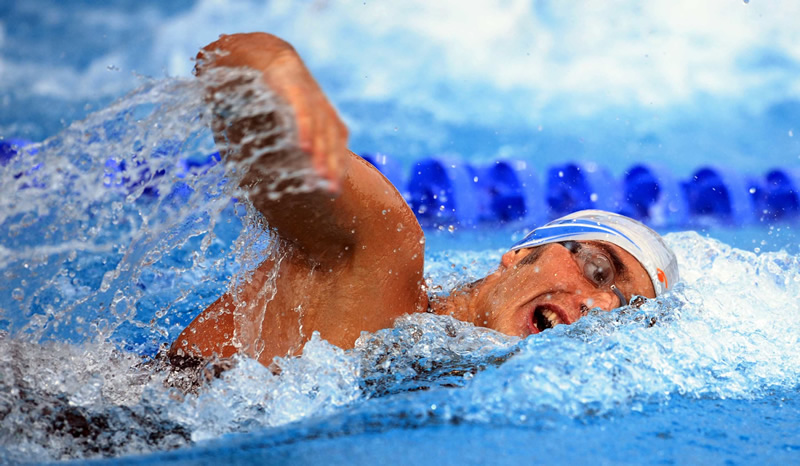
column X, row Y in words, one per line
column 598, row 270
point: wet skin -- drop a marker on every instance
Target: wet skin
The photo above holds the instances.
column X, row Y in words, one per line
column 353, row 251
column 534, row 289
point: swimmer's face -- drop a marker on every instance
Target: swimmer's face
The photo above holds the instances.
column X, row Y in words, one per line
column 537, row 288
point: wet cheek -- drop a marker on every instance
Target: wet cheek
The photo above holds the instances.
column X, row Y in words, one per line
column 503, row 320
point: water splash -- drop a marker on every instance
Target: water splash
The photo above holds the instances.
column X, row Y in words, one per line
column 113, row 235
column 85, row 210
column 118, row 231
column 718, row 335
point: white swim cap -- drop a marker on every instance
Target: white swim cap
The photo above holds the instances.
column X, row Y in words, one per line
column 597, row 225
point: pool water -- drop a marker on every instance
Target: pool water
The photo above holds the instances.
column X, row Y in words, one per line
column 103, row 267
column 120, row 225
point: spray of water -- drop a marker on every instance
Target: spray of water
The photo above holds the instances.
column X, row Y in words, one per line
column 115, row 233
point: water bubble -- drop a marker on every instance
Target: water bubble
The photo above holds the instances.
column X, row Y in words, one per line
column 18, row 294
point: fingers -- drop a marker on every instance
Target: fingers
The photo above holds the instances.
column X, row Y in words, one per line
column 304, row 120
column 320, row 132
column 308, row 125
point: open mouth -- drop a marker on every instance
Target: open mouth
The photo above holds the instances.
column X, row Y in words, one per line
column 544, row 318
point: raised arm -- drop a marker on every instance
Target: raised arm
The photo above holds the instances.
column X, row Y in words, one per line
column 361, row 249
column 352, row 203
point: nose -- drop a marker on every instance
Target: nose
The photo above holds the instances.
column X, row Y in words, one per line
column 605, row 300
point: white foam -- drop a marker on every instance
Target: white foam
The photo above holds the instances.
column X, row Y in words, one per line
column 730, row 331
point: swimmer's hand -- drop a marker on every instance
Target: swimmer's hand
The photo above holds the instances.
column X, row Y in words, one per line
column 320, row 132
column 364, row 222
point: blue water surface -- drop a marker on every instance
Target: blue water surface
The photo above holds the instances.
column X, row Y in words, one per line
column 120, row 223
column 683, row 431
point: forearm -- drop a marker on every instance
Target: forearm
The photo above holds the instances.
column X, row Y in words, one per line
column 249, row 116
column 235, row 66
column 270, row 115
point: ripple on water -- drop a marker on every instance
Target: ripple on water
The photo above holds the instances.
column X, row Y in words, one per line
column 102, row 266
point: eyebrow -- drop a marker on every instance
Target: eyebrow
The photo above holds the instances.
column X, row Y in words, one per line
column 532, row 257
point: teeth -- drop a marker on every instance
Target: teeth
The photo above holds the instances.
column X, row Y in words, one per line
column 552, row 317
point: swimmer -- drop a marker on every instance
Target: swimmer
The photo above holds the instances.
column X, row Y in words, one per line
column 357, row 251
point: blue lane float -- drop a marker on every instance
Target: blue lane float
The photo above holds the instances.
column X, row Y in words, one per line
column 778, row 198
column 509, row 191
column 577, row 186
column 445, row 192
column 126, row 174
column 9, row 148
column 441, row 193
column 652, row 194
column 720, row 195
